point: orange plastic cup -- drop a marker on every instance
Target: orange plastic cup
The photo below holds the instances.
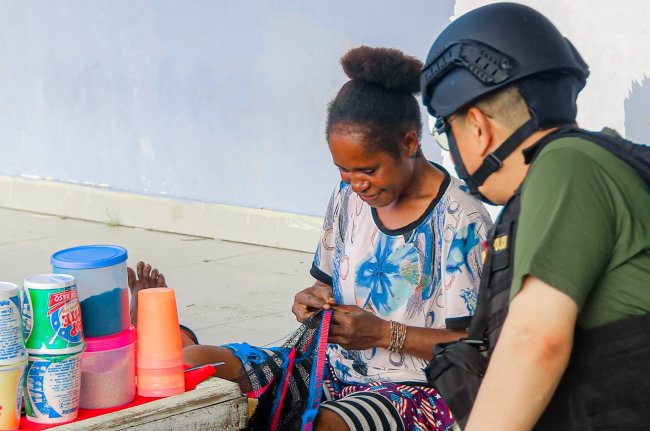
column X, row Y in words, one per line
column 163, row 382
column 159, row 345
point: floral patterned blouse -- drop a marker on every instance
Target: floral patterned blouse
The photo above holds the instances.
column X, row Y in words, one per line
column 425, row 274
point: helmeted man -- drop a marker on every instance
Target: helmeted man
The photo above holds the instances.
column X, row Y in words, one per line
column 567, row 277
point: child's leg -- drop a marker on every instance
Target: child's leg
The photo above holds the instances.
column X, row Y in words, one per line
column 195, row 355
column 188, row 337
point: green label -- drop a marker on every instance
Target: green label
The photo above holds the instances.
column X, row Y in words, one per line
column 52, row 320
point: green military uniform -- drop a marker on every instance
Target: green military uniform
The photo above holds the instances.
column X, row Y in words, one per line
column 584, row 228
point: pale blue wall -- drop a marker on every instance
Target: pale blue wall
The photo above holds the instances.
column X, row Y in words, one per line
column 637, row 112
column 207, row 100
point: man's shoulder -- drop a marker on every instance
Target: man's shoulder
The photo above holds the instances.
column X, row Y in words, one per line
column 582, row 150
column 579, row 158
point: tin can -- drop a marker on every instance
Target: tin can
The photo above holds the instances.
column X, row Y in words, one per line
column 52, row 385
column 51, row 315
column 11, row 395
column 12, row 344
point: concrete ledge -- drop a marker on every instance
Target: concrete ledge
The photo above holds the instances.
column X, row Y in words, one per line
column 248, row 225
column 215, row 404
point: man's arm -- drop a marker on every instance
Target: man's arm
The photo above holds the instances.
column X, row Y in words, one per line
column 529, row 359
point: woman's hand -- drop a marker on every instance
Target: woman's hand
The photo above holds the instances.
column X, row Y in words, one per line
column 311, row 300
column 356, row 329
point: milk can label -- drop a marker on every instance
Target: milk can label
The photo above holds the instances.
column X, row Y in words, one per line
column 52, row 321
column 11, row 338
column 52, row 388
column 27, row 314
column 65, row 315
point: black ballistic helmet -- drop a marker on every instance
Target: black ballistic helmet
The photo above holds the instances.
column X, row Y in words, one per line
column 490, row 48
column 496, row 45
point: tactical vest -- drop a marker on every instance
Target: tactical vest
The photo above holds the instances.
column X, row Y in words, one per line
column 607, row 383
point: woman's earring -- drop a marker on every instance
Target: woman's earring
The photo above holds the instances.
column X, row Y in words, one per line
column 415, row 153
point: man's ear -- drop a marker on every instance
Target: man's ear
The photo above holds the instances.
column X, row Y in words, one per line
column 482, row 129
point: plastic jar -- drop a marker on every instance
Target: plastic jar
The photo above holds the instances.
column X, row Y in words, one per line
column 100, row 271
column 108, row 371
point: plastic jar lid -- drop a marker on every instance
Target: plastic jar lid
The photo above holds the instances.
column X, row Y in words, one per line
column 111, row 342
column 49, row 281
column 89, row 257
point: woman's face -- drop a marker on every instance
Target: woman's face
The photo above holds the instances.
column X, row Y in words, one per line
column 376, row 176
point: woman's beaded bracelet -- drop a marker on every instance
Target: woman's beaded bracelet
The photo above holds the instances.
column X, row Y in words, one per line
column 397, row 336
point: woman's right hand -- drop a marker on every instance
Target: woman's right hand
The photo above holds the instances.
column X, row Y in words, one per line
column 311, row 300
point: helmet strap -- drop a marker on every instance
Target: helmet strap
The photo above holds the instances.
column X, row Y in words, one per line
column 494, row 160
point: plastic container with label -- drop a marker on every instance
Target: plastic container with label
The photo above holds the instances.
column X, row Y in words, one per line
column 108, row 371
column 11, row 395
column 100, row 271
column 12, row 342
column 51, row 388
column 51, row 315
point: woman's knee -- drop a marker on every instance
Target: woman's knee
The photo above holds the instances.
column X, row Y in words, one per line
column 327, row 420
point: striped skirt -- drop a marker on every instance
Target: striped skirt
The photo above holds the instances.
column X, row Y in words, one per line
column 386, row 406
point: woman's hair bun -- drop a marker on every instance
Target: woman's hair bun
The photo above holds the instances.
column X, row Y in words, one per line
column 385, row 66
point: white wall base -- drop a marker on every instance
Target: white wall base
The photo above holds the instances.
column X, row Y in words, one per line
column 249, row 225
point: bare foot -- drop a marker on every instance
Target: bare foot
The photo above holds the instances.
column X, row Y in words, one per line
column 144, row 277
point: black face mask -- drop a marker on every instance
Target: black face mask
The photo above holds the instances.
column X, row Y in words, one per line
column 492, row 161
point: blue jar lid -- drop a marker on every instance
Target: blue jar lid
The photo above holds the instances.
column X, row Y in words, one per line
column 89, row 257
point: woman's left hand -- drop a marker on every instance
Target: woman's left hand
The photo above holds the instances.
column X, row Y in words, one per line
column 356, row 329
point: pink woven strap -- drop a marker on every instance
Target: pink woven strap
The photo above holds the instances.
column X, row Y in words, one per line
column 285, row 385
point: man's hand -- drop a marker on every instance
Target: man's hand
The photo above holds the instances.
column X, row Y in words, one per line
column 311, row 300
column 356, row 329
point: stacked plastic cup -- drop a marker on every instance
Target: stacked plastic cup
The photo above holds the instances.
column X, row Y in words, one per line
column 159, row 357
column 54, row 342
column 12, row 356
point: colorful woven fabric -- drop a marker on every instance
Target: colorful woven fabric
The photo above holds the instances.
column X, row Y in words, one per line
column 290, row 382
column 287, row 380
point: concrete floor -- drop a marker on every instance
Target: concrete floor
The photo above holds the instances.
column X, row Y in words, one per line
column 225, row 291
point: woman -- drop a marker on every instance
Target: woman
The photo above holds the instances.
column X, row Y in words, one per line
column 399, row 260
